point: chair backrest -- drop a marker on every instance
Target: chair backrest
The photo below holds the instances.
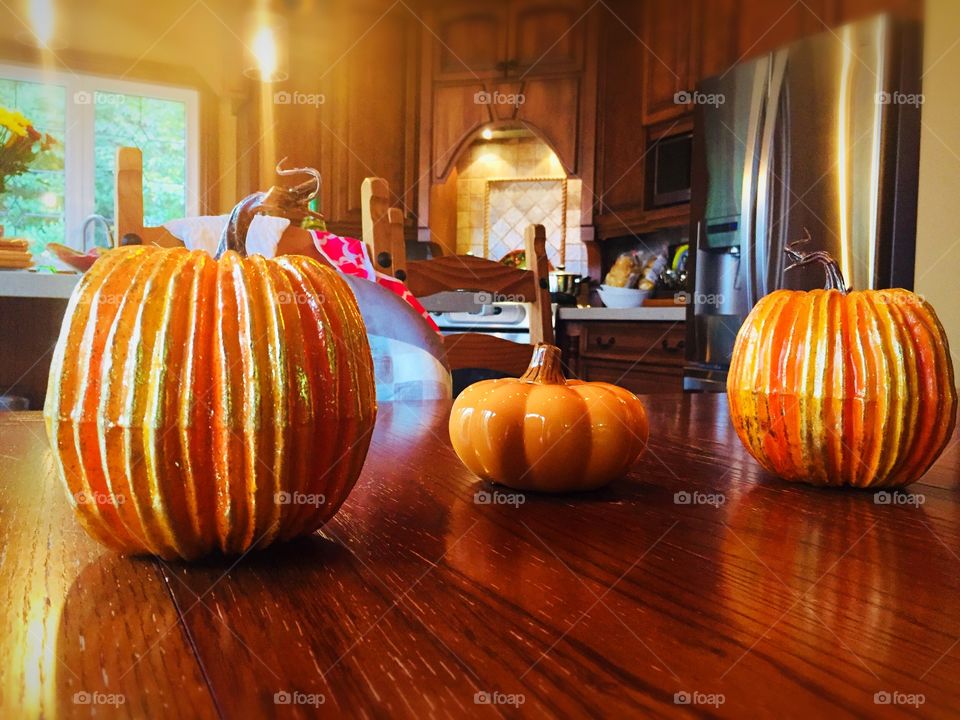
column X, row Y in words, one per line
column 128, row 201
column 382, row 228
column 466, row 272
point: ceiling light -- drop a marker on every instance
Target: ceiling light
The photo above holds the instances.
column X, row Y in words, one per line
column 267, row 47
column 41, row 31
column 487, row 134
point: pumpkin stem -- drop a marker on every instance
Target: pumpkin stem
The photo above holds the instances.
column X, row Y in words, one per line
column 545, row 367
column 834, row 277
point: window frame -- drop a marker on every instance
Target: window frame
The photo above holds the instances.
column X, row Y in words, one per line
column 79, row 140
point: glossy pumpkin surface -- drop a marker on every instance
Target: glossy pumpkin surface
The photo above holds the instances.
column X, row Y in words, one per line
column 543, row 432
column 197, row 405
column 843, row 389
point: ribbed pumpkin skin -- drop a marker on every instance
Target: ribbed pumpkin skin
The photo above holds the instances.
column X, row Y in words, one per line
column 843, row 389
column 186, row 394
column 544, row 433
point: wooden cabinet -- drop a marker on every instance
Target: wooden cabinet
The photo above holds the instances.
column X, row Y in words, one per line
column 470, row 40
column 668, row 36
column 545, row 37
column 644, row 357
column 508, row 63
column 368, row 121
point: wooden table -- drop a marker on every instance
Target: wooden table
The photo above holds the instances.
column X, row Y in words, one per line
column 418, row 601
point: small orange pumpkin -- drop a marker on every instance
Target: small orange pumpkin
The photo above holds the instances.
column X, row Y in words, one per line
column 838, row 388
column 197, row 405
column 543, row 432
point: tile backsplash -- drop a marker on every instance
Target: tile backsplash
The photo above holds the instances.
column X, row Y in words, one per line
column 504, row 186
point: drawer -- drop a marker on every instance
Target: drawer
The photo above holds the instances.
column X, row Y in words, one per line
column 637, row 378
column 647, row 342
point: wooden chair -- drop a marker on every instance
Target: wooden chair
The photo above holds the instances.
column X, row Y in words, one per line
column 383, row 228
column 465, row 272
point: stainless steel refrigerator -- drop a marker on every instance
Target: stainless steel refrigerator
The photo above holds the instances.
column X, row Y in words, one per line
column 820, row 137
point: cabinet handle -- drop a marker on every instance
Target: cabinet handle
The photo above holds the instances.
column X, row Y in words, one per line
column 606, row 343
column 668, row 348
column 384, row 260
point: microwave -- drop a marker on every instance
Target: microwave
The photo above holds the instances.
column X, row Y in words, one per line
column 669, row 170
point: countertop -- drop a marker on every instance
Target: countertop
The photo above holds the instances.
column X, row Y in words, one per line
column 697, row 577
column 23, row 283
column 676, row 313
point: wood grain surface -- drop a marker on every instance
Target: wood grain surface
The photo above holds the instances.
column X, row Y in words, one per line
column 431, row 592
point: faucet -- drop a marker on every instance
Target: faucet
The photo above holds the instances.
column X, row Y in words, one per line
column 94, row 219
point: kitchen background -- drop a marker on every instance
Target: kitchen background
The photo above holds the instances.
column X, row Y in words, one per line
column 419, row 94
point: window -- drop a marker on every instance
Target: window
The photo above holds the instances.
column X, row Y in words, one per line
column 92, row 117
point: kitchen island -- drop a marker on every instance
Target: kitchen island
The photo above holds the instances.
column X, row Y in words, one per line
column 697, row 585
column 641, row 349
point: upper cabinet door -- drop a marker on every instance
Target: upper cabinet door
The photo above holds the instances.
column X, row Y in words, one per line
column 715, row 28
column 470, row 40
column 546, row 36
column 668, row 34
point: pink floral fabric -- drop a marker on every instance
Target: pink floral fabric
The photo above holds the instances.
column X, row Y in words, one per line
column 350, row 256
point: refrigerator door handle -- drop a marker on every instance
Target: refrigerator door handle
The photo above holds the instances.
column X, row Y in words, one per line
column 765, row 179
column 748, row 194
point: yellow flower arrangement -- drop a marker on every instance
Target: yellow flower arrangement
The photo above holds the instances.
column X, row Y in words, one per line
column 20, row 143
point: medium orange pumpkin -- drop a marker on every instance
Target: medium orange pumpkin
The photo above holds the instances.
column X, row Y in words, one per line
column 839, row 388
column 543, row 432
column 197, row 405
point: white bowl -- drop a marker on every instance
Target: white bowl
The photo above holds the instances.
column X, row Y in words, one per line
column 617, row 297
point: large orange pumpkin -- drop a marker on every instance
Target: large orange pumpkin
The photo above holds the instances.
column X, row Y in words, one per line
column 197, row 405
column 832, row 387
column 543, row 432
